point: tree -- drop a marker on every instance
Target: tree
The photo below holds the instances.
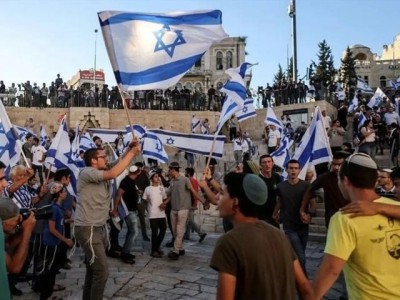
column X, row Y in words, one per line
column 324, row 71
column 348, row 75
column 278, row 77
column 289, row 70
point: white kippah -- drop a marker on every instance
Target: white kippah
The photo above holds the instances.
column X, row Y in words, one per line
column 363, row 160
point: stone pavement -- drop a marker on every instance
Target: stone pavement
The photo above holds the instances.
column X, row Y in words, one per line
column 159, row 278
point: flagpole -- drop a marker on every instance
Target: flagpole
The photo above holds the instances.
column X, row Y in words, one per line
column 48, row 173
column 126, row 110
column 212, row 150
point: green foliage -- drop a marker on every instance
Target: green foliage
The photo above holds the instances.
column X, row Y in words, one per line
column 279, row 76
column 324, row 71
column 348, row 75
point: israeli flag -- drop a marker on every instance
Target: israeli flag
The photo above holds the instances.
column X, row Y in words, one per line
column 283, row 153
column 195, row 124
column 229, row 108
column 377, row 98
column 247, row 111
column 9, row 149
column 271, row 119
column 152, row 148
column 43, row 136
column 361, row 121
column 86, row 143
column 23, row 132
column 153, row 51
column 314, row 147
column 353, row 104
column 364, row 87
column 235, row 88
column 60, row 155
column 394, row 84
column 192, row 143
column 139, row 131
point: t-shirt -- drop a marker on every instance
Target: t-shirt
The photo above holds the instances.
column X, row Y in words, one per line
column 261, row 259
column 58, row 217
column 179, row 191
column 273, row 137
column 267, row 210
column 38, row 153
column 291, row 197
column 156, row 195
column 21, row 197
column 196, row 187
column 93, row 198
column 333, row 198
column 370, row 246
column 131, row 196
column 4, row 288
column 45, row 200
column 387, row 194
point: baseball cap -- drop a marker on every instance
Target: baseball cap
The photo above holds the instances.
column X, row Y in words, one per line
column 255, row 189
column 8, row 209
column 133, row 169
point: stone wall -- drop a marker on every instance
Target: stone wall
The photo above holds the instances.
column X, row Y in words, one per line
column 170, row 120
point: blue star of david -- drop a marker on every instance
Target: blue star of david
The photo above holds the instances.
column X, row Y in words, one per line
column 68, row 155
column 10, row 145
column 158, row 147
column 244, row 109
column 170, row 141
column 169, row 48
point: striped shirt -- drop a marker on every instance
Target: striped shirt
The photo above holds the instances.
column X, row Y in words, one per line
column 21, row 197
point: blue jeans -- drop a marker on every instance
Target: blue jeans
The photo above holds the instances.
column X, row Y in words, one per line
column 131, row 221
column 298, row 239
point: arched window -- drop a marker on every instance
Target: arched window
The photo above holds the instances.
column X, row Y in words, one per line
column 219, row 65
column 188, row 85
column 198, row 87
column 179, row 86
column 382, row 81
column 229, row 60
column 361, row 56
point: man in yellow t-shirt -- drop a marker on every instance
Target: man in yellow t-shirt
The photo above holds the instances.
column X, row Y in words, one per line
column 366, row 248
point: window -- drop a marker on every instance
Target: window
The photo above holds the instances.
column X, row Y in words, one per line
column 198, row 64
column 361, row 56
column 188, row 85
column 229, row 60
column 219, row 65
column 179, row 86
column 198, row 86
column 382, row 81
column 366, row 79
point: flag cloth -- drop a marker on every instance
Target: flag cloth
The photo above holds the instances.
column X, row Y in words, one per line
column 353, row 104
column 59, row 155
column 152, row 148
column 364, row 87
column 235, row 90
column 271, row 119
column 314, row 147
column 43, row 137
column 247, row 111
column 195, row 124
column 377, row 98
column 75, row 143
column 192, row 143
column 282, row 154
column 361, row 121
column 394, row 84
column 10, row 151
column 86, row 143
column 22, row 132
column 153, row 51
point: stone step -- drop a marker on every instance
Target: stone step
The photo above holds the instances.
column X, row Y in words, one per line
column 320, row 212
column 321, row 205
column 317, row 228
column 317, row 237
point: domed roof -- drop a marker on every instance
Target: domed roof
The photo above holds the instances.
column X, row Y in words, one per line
column 358, row 46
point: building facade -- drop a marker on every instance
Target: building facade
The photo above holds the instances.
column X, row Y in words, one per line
column 378, row 70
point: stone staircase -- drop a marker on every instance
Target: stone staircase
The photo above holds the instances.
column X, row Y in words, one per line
column 317, row 227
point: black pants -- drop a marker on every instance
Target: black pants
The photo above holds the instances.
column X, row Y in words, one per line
column 168, row 213
column 39, row 169
column 114, row 236
column 142, row 219
column 232, row 133
column 51, row 261
column 158, row 227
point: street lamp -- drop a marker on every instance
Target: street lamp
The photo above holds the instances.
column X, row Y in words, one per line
column 95, row 49
column 292, row 14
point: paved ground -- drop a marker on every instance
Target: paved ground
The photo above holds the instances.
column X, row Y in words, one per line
column 159, row 278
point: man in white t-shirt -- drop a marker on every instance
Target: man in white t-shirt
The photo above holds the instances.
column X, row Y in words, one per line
column 38, row 156
column 155, row 195
column 274, row 138
column 327, row 120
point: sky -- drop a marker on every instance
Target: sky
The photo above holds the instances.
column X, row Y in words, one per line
column 42, row 38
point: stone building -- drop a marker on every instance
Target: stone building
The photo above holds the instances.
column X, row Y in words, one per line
column 376, row 69
column 210, row 70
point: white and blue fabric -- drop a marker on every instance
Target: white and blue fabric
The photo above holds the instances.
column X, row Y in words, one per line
column 353, row 104
column 364, row 87
column 9, row 149
column 247, row 111
column 377, row 98
column 23, row 132
column 60, row 155
column 271, row 119
column 43, row 137
column 283, row 154
column 394, row 84
column 314, row 147
column 192, row 143
column 152, row 147
column 153, row 51
column 229, row 108
column 195, row 124
column 361, row 121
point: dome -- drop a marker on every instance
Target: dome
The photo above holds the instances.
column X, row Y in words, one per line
column 358, row 46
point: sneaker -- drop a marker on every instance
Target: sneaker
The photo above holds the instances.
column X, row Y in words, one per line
column 146, row 238
column 130, row 255
column 155, row 254
column 170, row 244
column 181, row 252
column 202, row 237
column 173, row 256
column 14, row 291
column 160, row 252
